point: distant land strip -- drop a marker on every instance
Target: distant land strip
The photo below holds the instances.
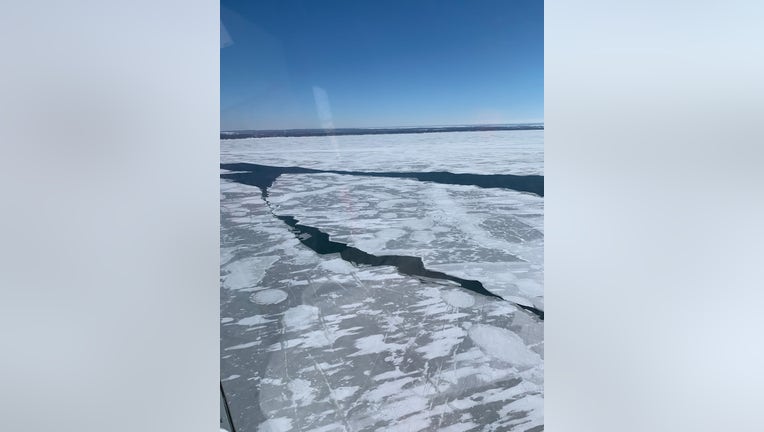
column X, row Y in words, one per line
column 373, row 131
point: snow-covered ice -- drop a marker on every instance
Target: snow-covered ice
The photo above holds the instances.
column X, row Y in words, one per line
column 481, row 152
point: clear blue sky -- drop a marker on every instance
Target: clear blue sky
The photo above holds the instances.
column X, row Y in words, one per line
column 319, row 63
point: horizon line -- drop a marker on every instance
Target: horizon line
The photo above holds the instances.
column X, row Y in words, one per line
column 529, row 123
column 306, row 132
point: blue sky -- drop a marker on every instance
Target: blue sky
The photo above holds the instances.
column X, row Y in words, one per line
column 316, row 63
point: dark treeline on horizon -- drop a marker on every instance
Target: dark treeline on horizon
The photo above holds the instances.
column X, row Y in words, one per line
column 372, row 131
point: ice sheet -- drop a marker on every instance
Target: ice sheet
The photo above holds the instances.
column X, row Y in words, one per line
column 485, row 152
column 318, row 344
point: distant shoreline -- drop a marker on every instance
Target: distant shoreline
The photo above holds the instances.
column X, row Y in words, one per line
column 372, row 131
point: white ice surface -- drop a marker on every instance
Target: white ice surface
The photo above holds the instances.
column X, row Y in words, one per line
column 483, row 152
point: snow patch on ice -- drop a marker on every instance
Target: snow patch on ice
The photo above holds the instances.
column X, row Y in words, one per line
column 530, row 287
column 302, row 393
column 458, row 299
column 443, row 341
column 503, row 345
column 374, row 344
column 248, row 272
column 301, row 316
column 243, row 346
column 341, row 393
column 253, row 320
column 375, row 242
column 268, row 296
column 396, row 373
column 459, row 427
column 386, row 389
column 338, row 265
column 279, row 424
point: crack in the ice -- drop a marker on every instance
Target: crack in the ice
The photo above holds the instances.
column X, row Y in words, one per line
column 334, row 400
column 411, row 266
column 263, row 177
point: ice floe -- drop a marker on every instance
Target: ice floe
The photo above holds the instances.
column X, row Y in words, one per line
column 458, row 299
column 269, row 296
column 503, row 344
column 247, row 272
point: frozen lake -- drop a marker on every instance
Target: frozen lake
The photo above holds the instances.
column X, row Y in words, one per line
column 324, row 327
